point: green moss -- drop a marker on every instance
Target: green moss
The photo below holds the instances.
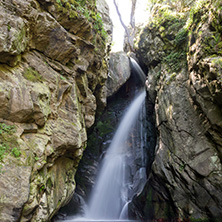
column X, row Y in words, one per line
column 73, row 14
column 81, row 8
column 32, row 75
column 8, row 141
column 181, row 37
column 176, row 60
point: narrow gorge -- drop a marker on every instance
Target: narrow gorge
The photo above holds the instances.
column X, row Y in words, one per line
column 63, row 94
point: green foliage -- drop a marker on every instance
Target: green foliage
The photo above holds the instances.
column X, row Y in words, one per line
column 182, row 167
column 176, row 60
column 16, row 152
column 32, row 75
column 217, row 61
column 194, row 10
column 104, row 128
column 165, row 17
column 9, row 27
column 82, row 8
column 4, row 148
column 62, row 77
column 181, row 37
column 4, row 128
column 7, row 141
column 42, row 188
column 178, row 6
column 172, row 77
column 73, row 14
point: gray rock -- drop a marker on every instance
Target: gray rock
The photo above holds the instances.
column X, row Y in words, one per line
column 119, row 72
column 184, row 180
column 52, row 83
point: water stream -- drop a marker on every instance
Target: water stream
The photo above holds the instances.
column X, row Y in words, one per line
column 122, row 172
column 109, row 195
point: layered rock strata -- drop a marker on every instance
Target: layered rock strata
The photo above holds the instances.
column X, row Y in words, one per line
column 52, row 83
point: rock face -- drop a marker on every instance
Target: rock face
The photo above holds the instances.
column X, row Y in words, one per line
column 184, row 82
column 119, row 72
column 52, row 82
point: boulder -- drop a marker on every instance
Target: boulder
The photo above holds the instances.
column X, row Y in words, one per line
column 119, row 72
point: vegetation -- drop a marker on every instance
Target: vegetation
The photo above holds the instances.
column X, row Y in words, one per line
column 167, row 22
column 78, row 8
column 16, row 152
column 171, row 16
column 32, row 75
column 179, row 6
column 175, row 60
column 8, row 143
column 199, row 219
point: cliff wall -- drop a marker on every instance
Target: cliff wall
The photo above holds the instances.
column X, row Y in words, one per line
column 183, row 51
column 52, row 83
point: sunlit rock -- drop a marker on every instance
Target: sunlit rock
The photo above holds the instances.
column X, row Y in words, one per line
column 119, row 71
column 52, row 82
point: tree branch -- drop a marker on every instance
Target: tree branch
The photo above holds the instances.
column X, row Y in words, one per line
column 124, row 26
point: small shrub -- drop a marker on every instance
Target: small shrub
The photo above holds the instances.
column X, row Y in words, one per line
column 16, row 152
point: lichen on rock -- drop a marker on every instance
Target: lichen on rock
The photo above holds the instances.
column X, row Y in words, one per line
column 52, row 83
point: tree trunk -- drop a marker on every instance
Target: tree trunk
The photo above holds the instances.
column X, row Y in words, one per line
column 130, row 31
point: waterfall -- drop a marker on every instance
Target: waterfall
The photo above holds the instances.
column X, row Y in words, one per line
column 109, row 196
column 138, row 70
column 122, row 172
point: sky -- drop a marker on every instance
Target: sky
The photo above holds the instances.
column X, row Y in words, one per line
column 141, row 15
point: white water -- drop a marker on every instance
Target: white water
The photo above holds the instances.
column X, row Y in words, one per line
column 114, row 187
column 109, row 196
column 138, row 70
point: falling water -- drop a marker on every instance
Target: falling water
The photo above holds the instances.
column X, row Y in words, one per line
column 119, row 180
column 108, row 197
column 138, row 70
